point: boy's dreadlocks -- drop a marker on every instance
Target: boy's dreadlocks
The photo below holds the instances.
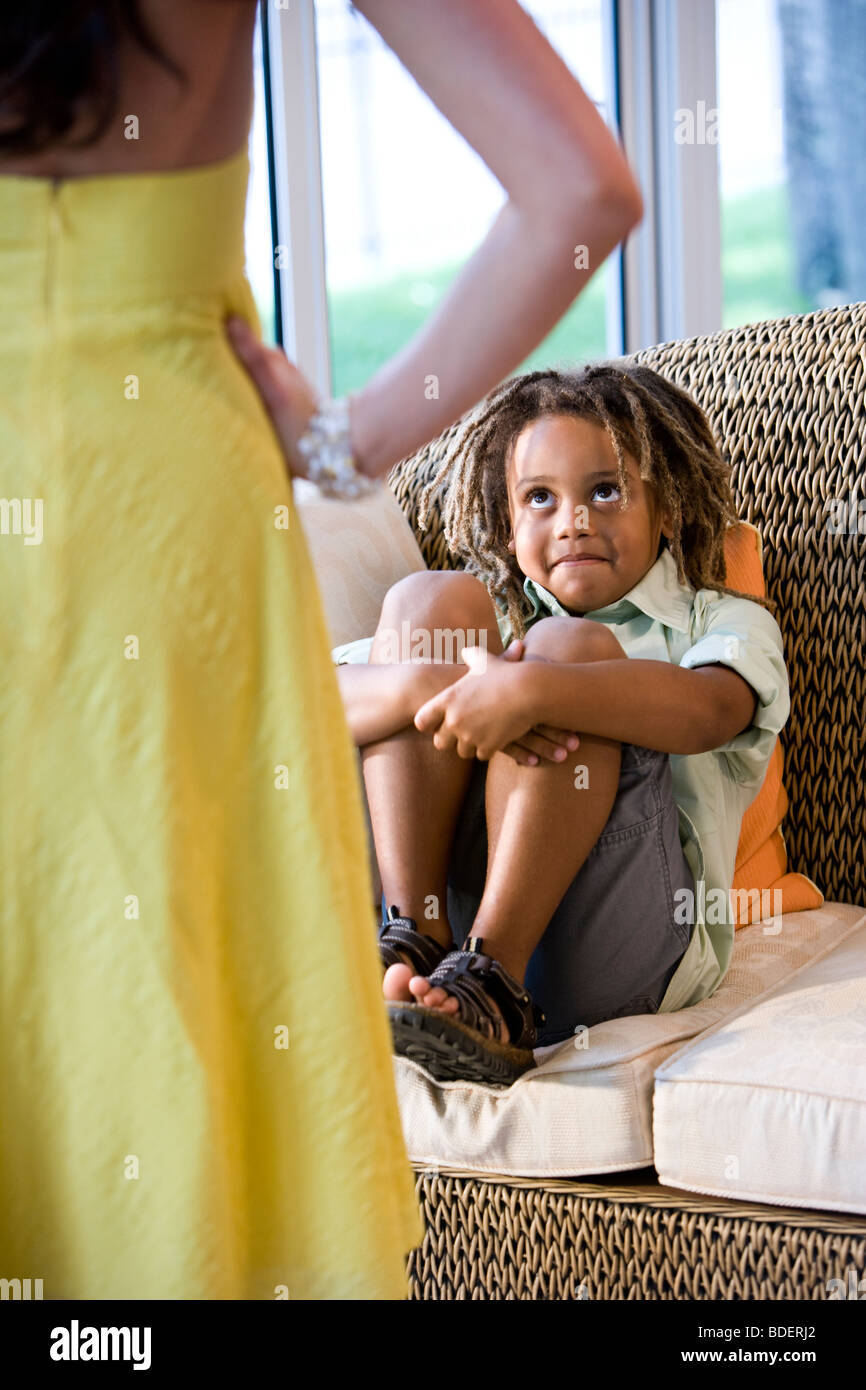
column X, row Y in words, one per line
column 645, row 415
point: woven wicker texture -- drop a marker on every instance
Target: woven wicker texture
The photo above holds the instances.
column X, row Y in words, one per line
column 488, row 1241
column 785, row 399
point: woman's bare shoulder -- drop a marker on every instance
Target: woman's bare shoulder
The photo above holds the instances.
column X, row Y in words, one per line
column 177, row 126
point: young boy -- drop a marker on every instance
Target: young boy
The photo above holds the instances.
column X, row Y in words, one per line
column 593, row 508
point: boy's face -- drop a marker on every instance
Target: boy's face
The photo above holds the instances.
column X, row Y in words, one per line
column 569, row 529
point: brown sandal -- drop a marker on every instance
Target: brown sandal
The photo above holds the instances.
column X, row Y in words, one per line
column 459, row 1048
column 399, row 937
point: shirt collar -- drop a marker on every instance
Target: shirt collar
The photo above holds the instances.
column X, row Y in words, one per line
column 659, row 595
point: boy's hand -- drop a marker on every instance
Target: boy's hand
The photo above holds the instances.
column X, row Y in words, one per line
column 543, row 740
column 487, row 710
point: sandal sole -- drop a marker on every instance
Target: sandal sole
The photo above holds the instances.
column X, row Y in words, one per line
column 449, row 1051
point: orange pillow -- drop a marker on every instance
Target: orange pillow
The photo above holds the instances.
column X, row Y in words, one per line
column 761, row 866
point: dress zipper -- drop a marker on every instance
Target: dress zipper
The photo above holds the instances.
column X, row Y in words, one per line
column 53, row 232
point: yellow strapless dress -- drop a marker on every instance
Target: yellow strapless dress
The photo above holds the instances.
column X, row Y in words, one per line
column 197, row 1097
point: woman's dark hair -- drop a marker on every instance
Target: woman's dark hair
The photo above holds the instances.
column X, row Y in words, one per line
column 645, row 415
column 58, row 63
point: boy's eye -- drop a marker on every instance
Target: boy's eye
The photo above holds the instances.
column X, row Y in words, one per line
column 606, row 492
column 608, row 488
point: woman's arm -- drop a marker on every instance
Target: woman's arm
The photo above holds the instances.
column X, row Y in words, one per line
column 495, row 77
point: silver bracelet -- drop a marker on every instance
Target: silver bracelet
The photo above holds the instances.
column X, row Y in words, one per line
column 326, row 449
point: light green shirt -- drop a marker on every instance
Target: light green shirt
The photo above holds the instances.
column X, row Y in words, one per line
column 662, row 620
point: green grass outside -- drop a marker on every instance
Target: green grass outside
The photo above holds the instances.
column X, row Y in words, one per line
column 368, row 326
column 757, row 260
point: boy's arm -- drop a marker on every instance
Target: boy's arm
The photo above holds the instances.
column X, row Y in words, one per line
column 650, row 703
column 381, row 698
column 728, row 694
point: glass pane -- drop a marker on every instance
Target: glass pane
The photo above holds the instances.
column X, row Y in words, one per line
column 576, row 32
column 407, row 200
column 791, row 115
column 257, row 228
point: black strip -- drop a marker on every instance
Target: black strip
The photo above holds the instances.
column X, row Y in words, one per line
column 617, row 116
column 272, row 178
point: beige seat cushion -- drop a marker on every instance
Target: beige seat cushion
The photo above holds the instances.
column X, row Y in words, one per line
column 589, row 1109
column 358, row 549
column 770, row 1104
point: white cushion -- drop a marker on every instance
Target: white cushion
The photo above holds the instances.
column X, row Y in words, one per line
column 359, row 549
column 770, row 1104
column 589, row 1109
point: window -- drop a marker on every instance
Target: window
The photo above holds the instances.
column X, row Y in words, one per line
column 741, row 119
column 406, row 200
column 791, row 113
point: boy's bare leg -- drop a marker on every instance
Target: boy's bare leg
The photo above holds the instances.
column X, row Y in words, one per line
column 415, row 790
column 540, row 825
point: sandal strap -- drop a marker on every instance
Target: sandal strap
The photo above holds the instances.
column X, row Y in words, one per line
column 424, row 952
column 475, row 977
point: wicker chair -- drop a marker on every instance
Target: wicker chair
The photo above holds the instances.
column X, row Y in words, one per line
column 786, row 401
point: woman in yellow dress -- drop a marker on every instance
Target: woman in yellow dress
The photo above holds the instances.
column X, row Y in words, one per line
column 195, row 1064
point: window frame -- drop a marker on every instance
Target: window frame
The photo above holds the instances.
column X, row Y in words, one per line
column 666, row 57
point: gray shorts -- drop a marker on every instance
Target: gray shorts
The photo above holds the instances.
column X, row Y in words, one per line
column 612, row 944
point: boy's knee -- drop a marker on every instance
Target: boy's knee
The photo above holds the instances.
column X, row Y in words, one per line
column 425, row 590
column 572, row 639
